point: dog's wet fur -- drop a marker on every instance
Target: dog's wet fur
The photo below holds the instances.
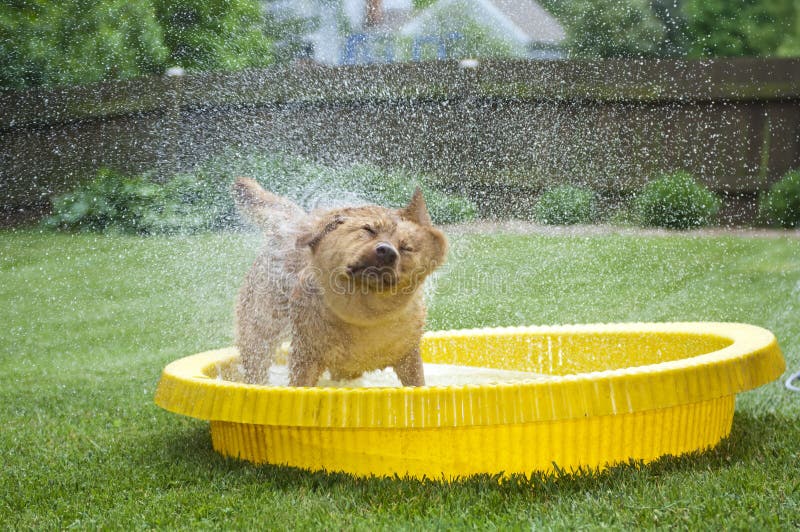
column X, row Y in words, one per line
column 343, row 285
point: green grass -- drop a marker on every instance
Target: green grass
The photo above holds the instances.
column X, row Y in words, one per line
column 89, row 322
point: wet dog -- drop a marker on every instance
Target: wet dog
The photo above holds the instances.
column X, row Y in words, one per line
column 343, row 285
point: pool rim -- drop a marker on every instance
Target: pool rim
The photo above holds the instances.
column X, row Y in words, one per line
column 752, row 359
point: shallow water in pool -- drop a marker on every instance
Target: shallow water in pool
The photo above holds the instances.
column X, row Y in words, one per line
column 435, row 375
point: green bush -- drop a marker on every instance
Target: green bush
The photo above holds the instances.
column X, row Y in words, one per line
column 675, row 201
column 191, row 203
column 565, row 205
column 394, row 188
column 139, row 205
column 109, row 201
column 780, row 206
column 311, row 184
column 202, row 201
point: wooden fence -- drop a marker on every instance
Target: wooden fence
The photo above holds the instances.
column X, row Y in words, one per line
column 503, row 128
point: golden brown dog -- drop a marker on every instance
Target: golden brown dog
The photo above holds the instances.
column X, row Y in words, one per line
column 344, row 285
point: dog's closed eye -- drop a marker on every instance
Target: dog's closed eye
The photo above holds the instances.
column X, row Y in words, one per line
column 369, row 229
column 406, row 247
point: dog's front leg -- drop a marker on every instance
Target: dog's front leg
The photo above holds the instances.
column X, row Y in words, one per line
column 305, row 354
column 304, row 371
column 409, row 369
column 257, row 343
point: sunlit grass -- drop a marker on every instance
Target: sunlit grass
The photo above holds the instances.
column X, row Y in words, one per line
column 89, row 322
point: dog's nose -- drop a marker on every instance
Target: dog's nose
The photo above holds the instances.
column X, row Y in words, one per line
column 386, row 253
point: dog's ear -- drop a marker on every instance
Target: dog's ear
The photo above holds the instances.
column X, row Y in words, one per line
column 314, row 235
column 416, row 211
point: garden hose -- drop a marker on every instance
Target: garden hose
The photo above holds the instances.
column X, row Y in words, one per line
column 790, row 382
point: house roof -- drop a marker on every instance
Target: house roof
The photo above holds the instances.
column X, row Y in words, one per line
column 524, row 20
column 532, row 19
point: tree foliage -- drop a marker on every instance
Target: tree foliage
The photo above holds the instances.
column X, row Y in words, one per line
column 790, row 47
column 45, row 43
column 289, row 29
column 612, row 28
column 462, row 36
column 214, row 34
column 741, row 28
column 53, row 43
column 680, row 28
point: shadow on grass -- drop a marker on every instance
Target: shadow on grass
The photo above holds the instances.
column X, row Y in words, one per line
column 753, row 440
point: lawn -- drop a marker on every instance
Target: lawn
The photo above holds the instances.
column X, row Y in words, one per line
column 89, row 322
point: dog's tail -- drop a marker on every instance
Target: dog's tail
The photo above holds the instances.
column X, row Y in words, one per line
column 266, row 210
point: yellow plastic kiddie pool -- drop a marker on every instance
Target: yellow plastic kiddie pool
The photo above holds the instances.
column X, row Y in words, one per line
column 584, row 396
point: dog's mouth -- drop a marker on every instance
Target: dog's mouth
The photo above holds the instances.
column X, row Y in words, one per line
column 374, row 276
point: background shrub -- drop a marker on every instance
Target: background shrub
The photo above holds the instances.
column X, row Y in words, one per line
column 201, row 201
column 394, row 188
column 675, row 201
column 116, row 202
column 565, row 205
column 111, row 201
column 314, row 185
column 780, row 206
